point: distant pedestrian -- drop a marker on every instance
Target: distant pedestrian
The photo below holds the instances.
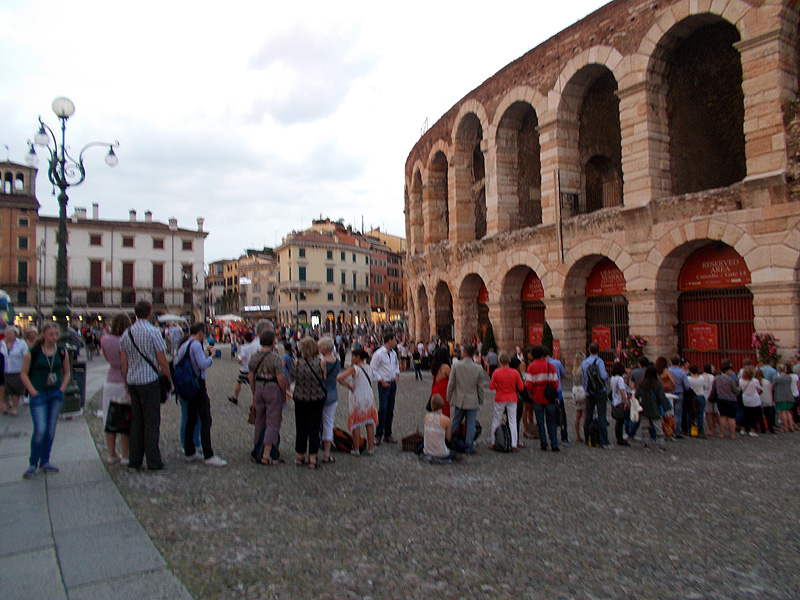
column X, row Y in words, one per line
column 267, row 380
column 507, row 384
column 309, row 401
column 361, row 400
column 727, row 388
column 417, row 360
column 386, row 368
column 117, row 418
column 782, row 395
column 465, row 394
column 243, row 358
column 562, row 409
column 332, row 368
column 440, row 371
column 578, row 394
column 651, row 396
column 13, row 351
column 541, row 375
column 45, row 374
column 596, row 394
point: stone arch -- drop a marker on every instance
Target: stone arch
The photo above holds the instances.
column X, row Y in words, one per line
column 470, row 317
column 602, row 56
column 469, row 173
column 435, row 199
column 520, row 93
column 518, row 166
column 590, row 160
column 512, row 311
column 443, row 307
column 593, row 250
column 704, row 132
column 416, row 222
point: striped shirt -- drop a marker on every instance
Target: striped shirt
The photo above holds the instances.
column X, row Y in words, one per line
column 150, row 343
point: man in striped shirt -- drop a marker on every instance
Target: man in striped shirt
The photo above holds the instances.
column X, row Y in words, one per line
column 143, row 357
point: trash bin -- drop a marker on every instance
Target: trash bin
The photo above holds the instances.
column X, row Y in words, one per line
column 79, row 373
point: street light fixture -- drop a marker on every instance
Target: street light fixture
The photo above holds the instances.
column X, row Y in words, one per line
column 64, row 172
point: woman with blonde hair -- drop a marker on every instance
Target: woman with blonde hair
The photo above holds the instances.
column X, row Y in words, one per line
column 116, row 401
column 309, row 402
column 45, row 374
column 578, row 394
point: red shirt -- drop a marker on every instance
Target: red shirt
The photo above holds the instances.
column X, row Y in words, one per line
column 540, row 374
column 506, row 381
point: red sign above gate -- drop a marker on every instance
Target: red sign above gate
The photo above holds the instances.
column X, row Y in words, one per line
column 602, row 337
column 605, row 280
column 483, row 295
column 532, row 289
column 712, row 267
column 703, row 337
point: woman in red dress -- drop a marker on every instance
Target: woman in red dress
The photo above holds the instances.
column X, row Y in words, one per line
column 440, row 369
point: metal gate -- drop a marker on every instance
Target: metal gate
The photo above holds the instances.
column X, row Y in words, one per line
column 731, row 311
column 533, row 314
column 611, row 312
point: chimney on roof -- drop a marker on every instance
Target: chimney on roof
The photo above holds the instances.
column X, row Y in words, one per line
column 148, row 216
column 132, row 214
column 173, row 224
column 95, row 211
column 200, row 221
column 80, row 214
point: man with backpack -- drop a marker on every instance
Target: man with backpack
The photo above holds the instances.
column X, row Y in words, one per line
column 192, row 362
column 594, row 382
column 541, row 381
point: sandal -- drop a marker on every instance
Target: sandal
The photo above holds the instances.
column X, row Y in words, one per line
column 314, row 465
column 329, row 459
column 268, row 462
column 301, row 462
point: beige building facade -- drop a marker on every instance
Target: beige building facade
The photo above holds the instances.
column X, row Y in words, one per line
column 634, row 175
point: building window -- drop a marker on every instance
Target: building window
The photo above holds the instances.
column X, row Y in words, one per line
column 302, row 253
column 22, row 242
column 290, row 253
column 342, row 256
column 187, row 245
column 22, row 222
column 95, row 239
column 344, row 278
column 330, row 296
column 302, row 295
column 22, row 297
column 22, row 272
column 366, row 260
column 354, row 281
column 354, row 257
column 127, row 241
column 330, row 254
column 330, row 275
column 344, row 297
column 301, row 273
column 158, row 243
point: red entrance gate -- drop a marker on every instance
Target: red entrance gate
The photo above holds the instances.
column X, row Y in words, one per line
column 715, row 309
column 533, row 309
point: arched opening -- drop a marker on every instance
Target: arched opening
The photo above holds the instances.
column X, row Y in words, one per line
column 19, row 182
column 444, row 312
column 437, row 213
column 473, row 305
column 698, row 75
column 316, row 318
column 341, row 319
column 533, row 309
column 470, row 180
column 329, row 320
column 302, row 317
column 423, row 318
column 715, row 308
column 591, row 172
column 8, row 183
column 416, row 219
column 519, row 174
column 607, row 309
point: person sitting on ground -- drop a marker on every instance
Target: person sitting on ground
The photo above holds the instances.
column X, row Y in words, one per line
column 437, row 433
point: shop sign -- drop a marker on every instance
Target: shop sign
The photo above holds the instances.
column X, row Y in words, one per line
column 606, row 279
column 535, row 333
column 703, row 337
column 257, row 308
column 532, row 289
column 602, row 337
column 712, row 267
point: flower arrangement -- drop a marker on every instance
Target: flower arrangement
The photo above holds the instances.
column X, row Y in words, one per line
column 766, row 345
column 634, row 348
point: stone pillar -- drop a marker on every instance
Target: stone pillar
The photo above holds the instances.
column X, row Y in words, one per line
column 559, row 154
column 768, row 82
column 497, row 218
column 777, row 311
column 654, row 316
column 506, row 317
column 645, row 143
column 567, row 320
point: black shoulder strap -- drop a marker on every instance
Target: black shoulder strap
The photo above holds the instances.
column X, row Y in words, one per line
column 321, row 383
column 147, row 360
column 365, row 375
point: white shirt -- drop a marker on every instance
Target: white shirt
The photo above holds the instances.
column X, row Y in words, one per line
column 13, row 357
column 701, row 384
column 384, row 364
column 245, row 352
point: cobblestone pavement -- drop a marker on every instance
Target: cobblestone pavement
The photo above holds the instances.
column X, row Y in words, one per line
column 708, row 519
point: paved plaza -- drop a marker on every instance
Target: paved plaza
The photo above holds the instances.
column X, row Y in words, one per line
column 710, row 519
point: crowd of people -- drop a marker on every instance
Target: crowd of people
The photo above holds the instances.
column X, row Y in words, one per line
column 665, row 399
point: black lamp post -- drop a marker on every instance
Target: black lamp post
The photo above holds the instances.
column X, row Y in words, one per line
column 63, row 171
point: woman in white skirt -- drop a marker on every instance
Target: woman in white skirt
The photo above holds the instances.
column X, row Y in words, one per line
column 117, row 418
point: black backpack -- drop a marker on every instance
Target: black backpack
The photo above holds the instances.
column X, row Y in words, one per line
column 502, row 438
column 593, row 437
column 596, row 383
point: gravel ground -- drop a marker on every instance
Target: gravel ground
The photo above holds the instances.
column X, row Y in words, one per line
column 708, row 519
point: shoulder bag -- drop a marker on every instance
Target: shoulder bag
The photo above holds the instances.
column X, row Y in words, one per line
column 550, row 392
column 321, row 383
column 164, row 383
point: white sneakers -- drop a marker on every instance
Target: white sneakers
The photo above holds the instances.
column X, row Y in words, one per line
column 215, row 461
column 196, row 457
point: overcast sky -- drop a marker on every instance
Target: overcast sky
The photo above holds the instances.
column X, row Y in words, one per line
column 258, row 116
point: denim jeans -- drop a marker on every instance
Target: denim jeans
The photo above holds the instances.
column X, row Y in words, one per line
column 548, row 412
column 45, row 408
column 386, row 396
column 184, row 412
column 199, row 412
column 471, row 416
column 700, row 408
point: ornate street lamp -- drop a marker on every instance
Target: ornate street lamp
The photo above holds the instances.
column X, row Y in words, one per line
column 63, row 172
